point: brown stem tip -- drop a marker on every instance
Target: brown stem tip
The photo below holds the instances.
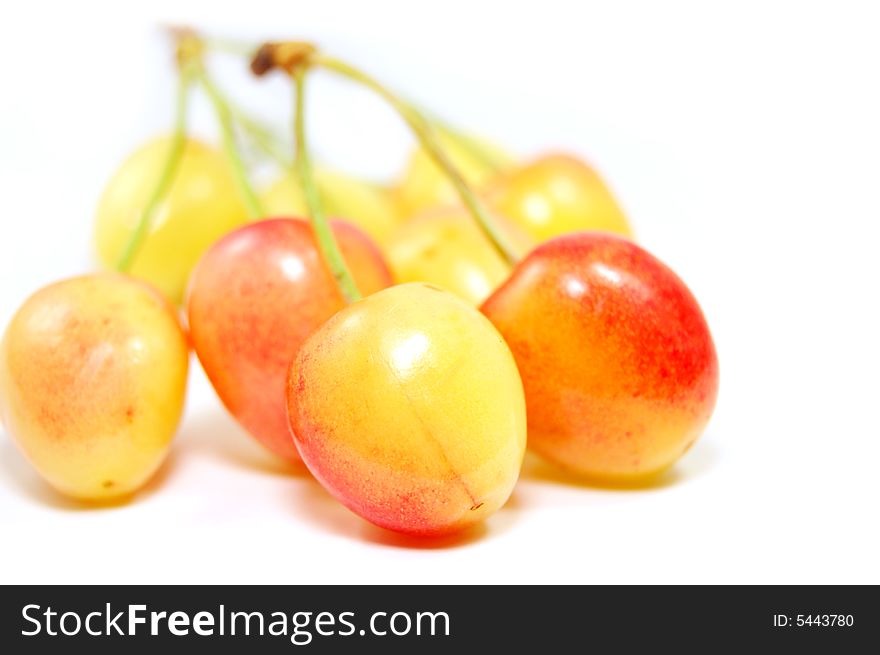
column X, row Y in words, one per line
column 287, row 56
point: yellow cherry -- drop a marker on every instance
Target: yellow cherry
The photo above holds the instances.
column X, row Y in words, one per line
column 202, row 205
column 408, row 407
column 92, row 380
column 423, row 185
column 557, row 194
column 445, row 247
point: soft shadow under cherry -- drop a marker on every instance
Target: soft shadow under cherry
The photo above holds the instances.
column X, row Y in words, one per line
column 214, row 433
column 702, row 457
column 26, row 482
column 314, row 504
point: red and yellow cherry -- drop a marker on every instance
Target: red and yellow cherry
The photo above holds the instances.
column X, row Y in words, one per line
column 364, row 204
column 253, row 299
column 407, row 406
column 423, row 185
column 92, row 380
column 445, row 247
column 618, row 365
column 202, row 204
column 555, row 195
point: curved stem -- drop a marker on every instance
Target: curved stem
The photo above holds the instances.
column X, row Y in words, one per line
column 469, row 144
column 224, row 117
column 428, row 140
column 166, row 176
column 473, row 148
column 323, row 233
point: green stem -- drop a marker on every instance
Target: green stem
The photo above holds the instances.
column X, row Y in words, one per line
column 166, row 176
column 422, row 129
column 323, row 233
column 264, row 137
column 469, row 144
column 224, row 117
column 229, row 46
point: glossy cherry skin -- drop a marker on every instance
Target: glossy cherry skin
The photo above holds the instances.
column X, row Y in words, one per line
column 618, row 364
column 254, row 298
column 93, row 376
column 408, row 408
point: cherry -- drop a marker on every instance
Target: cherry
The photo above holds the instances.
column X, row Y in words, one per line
column 408, row 408
column 199, row 206
column 92, row 380
column 556, row 194
column 423, row 184
column 446, row 248
column 254, row 298
column 617, row 361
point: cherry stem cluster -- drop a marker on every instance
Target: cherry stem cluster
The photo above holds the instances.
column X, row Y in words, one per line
column 262, row 136
column 490, row 160
column 190, row 69
column 224, row 118
column 423, row 131
column 296, row 56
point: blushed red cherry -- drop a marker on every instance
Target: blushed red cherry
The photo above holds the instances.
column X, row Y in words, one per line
column 617, row 361
column 254, row 298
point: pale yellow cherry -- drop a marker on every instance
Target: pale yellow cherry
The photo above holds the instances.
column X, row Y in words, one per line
column 202, row 204
column 93, row 373
column 423, row 185
column 555, row 195
column 445, row 247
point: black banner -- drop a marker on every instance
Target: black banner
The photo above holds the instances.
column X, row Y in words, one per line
column 436, row 619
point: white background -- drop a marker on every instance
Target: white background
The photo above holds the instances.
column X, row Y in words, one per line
column 744, row 141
